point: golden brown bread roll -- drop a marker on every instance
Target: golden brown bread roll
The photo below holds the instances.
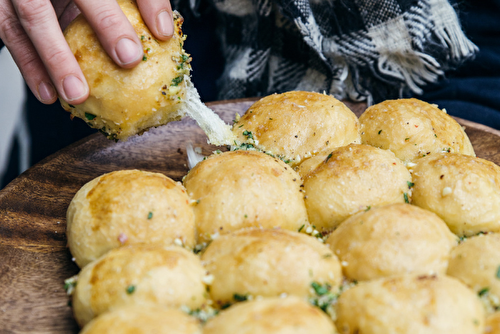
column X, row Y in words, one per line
column 139, row 275
column 392, row 240
column 476, row 262
column 289, row 315
column 463, row 190
column 412, row 129
column 351, row 179
column 492, row 324
column 143, row 320
column 241, row 189
column 297, row 125
column 124, row 102
column 410, row 304
column 127, row 207
column 268, row 263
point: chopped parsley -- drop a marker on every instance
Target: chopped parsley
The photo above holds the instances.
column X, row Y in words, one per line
column 150, row 215
column 320, row 289
column 405, row 195
column 130, row 289
column 406, row 139
column 240, row 298
column 483, row 291
column 300, row 229
column 246, row 216
column 410, row 184
column 184, row 58
column 328, row 157
column 177, row 81
column 380, row 131
column 144, row 58
column 143, row 37
column 248, row 134
column 89, row 116
column 368, row 208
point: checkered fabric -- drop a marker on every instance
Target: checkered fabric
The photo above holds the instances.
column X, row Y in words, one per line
column 362, row 49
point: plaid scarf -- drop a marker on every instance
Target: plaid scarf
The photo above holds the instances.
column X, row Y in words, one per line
column 359, row 49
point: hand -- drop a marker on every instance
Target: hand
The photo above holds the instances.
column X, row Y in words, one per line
column 32, row 31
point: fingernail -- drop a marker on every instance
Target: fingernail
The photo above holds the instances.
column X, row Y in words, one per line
column 165, row 24
column 46, row 92
column 74, row 88
column 128, row 51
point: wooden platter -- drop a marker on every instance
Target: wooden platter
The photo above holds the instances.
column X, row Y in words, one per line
column 34, row 260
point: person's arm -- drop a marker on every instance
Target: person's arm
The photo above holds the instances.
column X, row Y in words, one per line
column 32, row 32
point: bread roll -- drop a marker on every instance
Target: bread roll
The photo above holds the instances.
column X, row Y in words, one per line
column 143, row 320
column 297, row 125
column 392, row 240
column 492, row 324
column 139, row 275
column 289, row 315
column 476, row 262
column 351, row 179
column 268, row 263
column 241, row 189
column 463, row 190
column 410, row 304
column 124, row 102
column 127, row 207
column 412, row 129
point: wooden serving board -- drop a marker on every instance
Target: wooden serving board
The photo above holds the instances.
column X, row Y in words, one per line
column 34, row 260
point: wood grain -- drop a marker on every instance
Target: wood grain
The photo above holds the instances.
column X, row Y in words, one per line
column 34, row 260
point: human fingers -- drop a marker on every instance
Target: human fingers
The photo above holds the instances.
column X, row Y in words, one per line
column 40, row 23
column 158, row 17
column 25, row 54
column 113, row 30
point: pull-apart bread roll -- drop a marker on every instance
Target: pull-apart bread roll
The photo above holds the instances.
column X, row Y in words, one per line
column 463, row 190
column 241, row 189
column 128, row 207
column 140, row 319
column 289, row 315
column 351, row 179
column 492, row 324
column 297, row 125
column 139, row 275
column 259, row 262
column 412, row 129
column 124, row 102
column 476, row 262
column 392, row 240
column 408, row 305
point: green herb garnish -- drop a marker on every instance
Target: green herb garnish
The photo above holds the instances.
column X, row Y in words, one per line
column 483, row 291
column 130, row 289
column 379, row 131
column 368, row 208
column 328, row 157
column 143, row 37
column 177, row 81
column 410, row 184
column 300, row 229
column 240, row 298
column 320, row 289
column 144, row 58
column 89, row 116
column 184, row 58
column 248, row 134
column 150, row 215
column 405, row 195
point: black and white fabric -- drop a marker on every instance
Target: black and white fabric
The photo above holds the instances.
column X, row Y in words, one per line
column 361, row 49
